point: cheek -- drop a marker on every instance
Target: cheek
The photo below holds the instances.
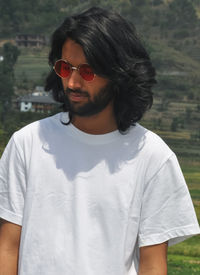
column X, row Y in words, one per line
column 64, row 83
column 101, row 82
column 98, row 86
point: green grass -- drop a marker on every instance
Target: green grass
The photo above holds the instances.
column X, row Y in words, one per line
column 184, row 258
column 189, row 247
column 182, row 265
column 191, row 170
column 195, row 193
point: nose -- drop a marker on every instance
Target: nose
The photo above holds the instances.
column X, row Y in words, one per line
column 74, row 81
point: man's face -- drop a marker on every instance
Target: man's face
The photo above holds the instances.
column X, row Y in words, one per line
column 85, row 98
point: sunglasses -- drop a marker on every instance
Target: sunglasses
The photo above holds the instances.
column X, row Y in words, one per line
column 64, row 69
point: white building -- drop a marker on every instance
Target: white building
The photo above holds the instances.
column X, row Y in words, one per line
column 41, row 102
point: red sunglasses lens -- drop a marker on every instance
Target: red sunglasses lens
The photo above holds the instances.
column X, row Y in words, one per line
column 62, row 68
column 86, row 72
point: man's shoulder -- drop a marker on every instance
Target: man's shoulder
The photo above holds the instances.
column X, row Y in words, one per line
column 150, row 144
column 36, row 127
column 152, row 152
column 147, row 136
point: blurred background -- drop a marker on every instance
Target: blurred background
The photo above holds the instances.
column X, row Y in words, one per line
column 170, row 31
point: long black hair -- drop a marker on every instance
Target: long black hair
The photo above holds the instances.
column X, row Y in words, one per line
column 114, row 51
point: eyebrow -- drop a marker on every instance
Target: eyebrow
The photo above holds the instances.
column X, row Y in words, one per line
column 78, row 64
column 66, row 59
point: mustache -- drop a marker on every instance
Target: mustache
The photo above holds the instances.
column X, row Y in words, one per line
column 77, row 91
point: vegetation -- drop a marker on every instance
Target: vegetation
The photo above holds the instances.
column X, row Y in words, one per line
column 170, row 31
column 10, row 54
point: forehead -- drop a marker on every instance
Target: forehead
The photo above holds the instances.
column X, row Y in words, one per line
column 73, row 52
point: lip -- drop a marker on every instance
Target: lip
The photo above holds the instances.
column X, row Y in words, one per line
column 76, row 97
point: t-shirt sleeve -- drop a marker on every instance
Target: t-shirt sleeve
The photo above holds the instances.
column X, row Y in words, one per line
column 12, row 184
column 167, row 212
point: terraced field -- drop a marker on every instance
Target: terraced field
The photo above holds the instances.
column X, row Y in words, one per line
column 31, row 66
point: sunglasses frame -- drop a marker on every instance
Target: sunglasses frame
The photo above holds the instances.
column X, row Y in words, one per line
column 73, row 68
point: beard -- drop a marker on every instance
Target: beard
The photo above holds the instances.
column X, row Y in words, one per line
column 92, row 106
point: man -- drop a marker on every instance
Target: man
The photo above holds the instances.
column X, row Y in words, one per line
column 89, row 191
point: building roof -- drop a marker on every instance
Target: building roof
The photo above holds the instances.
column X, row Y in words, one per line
column 37, row 99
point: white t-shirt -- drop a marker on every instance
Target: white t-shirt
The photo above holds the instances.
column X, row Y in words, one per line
column 86, row 203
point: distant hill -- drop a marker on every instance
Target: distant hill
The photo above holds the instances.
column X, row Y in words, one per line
column 170, row 30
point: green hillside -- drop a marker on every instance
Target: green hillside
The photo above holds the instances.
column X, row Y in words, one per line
column 170, row 30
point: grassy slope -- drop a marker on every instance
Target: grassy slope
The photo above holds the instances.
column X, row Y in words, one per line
column 179, row 265
column 172, row 59
column 184, row 257
column 31, row 65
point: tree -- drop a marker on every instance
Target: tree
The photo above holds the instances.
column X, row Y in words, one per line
column 182, row 14
column 10, row 54
column 174, row 124
column 138, row 2
column 6, row 92
column 188, row 114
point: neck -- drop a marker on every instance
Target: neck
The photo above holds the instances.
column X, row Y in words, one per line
column 101, row 123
